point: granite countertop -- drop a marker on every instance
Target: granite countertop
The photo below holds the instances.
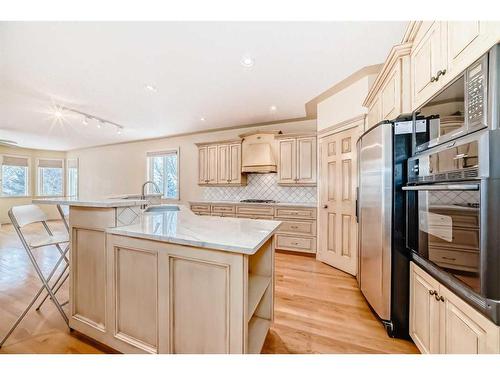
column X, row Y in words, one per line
column 138, row 196
column 288, row 204
column 244, row 236
column 75, row 201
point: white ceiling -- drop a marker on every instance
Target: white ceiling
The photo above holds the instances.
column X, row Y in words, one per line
column 102, row 68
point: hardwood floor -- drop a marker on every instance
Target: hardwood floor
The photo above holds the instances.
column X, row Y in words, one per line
column 318, row 309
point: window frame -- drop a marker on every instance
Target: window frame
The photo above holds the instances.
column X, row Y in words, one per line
column 39, row 180
column 149, row 174
column 28, row 177
column 66, row 174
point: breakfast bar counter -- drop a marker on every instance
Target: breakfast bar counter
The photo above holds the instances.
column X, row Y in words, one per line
column 164, row 280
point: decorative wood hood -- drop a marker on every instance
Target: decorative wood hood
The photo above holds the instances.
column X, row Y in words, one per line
column 258, row 152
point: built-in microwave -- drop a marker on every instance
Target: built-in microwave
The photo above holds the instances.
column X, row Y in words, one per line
column 459, row 109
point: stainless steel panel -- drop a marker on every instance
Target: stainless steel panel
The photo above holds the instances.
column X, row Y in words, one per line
column 375, row 210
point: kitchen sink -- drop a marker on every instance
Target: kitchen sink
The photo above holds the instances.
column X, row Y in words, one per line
column 162, row 208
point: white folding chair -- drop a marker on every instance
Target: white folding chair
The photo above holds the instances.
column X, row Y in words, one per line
column 21, row 216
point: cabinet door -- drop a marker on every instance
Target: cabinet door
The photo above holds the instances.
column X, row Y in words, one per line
column 374, row 113
column 391, row 95
column 212, row 164
column 426, row 60
column 223, row 159
column 202, row 165
column 424, row 311
column 235, row 163
column 306, row 160
column 287, row 166
column 463, row 330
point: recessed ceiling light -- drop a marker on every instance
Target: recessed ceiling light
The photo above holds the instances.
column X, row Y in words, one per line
column 118, row 131
column 151, row 88
column 273, row 108
column 85, row 121
column 202, row 118
column 100, row 124
column 58, row 114
column 247, row 62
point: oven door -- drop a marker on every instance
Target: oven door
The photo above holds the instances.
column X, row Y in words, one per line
column 448, row 235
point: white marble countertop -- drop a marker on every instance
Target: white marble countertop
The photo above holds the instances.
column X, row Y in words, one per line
column 75, row 201
column 244, row 236
column 138, row 196
column 288, row 204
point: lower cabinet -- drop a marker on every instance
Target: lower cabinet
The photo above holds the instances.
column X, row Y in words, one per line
column 442, row 323
column 297, row 232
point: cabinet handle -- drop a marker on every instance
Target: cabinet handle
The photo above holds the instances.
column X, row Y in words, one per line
column 294, row 227
column 447, row 258
column 432, row 292
column 433, row 79
column 295, row 243
column 440, row 73
column 438, row 297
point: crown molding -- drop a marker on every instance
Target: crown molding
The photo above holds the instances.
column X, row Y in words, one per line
column 411, row 31
column 312, row 105
column 397, row 52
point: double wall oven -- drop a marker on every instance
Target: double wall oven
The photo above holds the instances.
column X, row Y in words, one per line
column 453, row 190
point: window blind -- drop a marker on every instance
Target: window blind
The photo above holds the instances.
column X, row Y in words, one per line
column 161, row 153
column 15, row 161
column 72, row 163
column 50, row 163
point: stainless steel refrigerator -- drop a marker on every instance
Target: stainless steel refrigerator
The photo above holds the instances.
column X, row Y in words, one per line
column 383, row 275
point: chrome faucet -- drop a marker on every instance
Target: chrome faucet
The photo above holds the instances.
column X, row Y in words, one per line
column 143, row 190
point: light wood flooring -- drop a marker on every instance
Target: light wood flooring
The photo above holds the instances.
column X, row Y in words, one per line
column 318, row 309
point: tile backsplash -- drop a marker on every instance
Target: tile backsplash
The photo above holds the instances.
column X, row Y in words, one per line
column 261, row 186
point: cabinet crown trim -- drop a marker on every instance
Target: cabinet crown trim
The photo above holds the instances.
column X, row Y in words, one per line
column 230, row 141
column 397, row 52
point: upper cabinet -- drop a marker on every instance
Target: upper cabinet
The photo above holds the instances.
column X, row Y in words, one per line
column 443, row 49
column 390, row 95
column 220, row 164
column 297, row 160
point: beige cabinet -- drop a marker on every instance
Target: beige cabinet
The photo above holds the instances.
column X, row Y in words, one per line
column 428, row 64
column 389, row 95
column 424, row 311
column 297, row 160
column 441, row 322
column 444, row 50
column 220, row 164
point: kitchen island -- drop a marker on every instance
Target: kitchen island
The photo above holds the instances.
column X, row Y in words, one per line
column 171, row 281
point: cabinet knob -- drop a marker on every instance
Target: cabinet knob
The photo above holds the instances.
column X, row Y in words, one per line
column 325, row 206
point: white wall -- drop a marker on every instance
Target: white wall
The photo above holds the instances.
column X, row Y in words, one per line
column 121, row 168
column 7, row 202
column 345, row 104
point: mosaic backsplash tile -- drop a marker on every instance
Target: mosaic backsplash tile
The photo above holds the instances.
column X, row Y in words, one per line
column 453, row 197
column 261, row 186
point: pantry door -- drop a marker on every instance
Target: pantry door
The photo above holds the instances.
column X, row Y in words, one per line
column 338, row 233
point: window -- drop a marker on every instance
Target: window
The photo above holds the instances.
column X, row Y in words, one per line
column 14, row 176
column 50, row 177
column 163, row 169
column 72, row 177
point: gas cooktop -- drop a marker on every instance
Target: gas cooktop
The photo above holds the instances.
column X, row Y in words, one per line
column 257, row 201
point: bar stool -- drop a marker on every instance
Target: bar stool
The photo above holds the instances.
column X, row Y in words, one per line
column 20, row 216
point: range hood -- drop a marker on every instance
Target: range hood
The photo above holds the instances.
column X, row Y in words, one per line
column 258, row 152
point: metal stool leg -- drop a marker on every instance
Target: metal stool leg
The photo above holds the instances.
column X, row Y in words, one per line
column 14, row 326
column 47, row 286
column 54, row 286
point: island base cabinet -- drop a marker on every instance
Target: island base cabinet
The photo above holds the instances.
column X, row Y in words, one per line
column 168, row 298
column 442, row 323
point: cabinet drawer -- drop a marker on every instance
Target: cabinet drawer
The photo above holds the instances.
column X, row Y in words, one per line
column 455, row 259
column 258, row 217
column 465, row 221
column 200, row 207
column 460, row 237
column 305, row 244
column 254, row 210
column 223, row 214
column 298, row 227
column 295, row 213
column 223, row 208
